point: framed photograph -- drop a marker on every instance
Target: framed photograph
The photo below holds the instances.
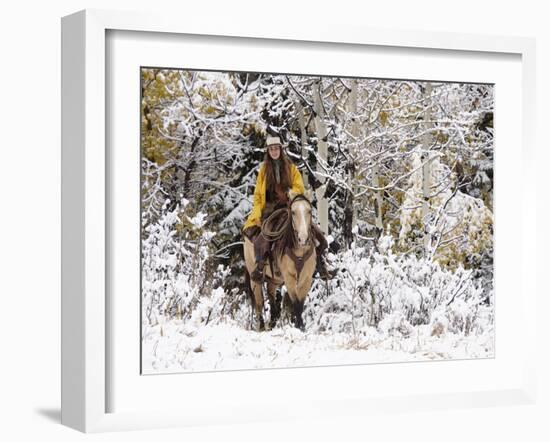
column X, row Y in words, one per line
column 251, row 216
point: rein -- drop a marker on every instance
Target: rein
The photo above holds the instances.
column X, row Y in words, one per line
column 267, row 230
column 272, row 235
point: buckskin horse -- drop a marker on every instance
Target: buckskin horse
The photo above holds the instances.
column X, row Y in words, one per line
column 291, row 262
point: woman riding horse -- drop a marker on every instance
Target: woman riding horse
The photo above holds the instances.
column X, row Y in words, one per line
column 277, row 176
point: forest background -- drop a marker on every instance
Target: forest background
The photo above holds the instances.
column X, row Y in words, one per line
column 402, row 173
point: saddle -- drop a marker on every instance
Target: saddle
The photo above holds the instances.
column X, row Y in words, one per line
column 270, row 262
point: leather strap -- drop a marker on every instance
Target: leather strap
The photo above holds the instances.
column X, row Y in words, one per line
column 299, row 260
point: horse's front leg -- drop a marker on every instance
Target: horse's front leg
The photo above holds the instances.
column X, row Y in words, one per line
column 258, row 304
column 299, row 298
column 298, row 307
column 274, row 304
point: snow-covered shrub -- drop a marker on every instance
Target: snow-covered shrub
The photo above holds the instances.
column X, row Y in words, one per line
column 208, row 308
column 396, row 324
column 460, row 226
column 395, row 293
column 175, row 273
column 180, row 277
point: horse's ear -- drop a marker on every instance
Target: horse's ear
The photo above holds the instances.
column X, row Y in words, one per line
column 291, row 195
column 308, row 194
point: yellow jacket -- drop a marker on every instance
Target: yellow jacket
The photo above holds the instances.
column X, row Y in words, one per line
column 297, row 186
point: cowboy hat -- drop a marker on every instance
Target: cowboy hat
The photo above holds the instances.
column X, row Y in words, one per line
column 273, row 141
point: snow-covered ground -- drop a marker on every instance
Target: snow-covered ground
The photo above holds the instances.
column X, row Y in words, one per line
column 175, row 347
column 419, row 288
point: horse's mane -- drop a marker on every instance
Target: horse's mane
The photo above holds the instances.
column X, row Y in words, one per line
column 287, row 238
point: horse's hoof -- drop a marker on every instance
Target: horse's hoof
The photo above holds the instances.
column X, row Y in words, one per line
column 261, row 326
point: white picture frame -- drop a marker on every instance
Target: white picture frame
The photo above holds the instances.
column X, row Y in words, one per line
column 86, row 313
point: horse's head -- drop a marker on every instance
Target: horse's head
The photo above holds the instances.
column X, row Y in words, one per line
column 300, row 212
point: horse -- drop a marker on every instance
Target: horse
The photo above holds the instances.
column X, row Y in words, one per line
column 293, row 260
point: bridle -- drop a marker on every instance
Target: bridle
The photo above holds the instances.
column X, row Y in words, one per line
column 299, row 261
column 273, row 235
column 299, row 197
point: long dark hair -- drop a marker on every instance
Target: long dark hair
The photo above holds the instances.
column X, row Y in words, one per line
column 271, row 181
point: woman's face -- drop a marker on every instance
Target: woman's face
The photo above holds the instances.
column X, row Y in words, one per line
column 274, row 151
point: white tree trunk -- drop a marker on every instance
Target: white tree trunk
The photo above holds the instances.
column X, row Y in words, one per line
column 303, row 136
column 377, row 197
column 322, row 151
column 352, row 107
column 426, row 173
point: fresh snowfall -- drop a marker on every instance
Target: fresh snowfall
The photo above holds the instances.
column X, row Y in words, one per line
column 402, row 170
